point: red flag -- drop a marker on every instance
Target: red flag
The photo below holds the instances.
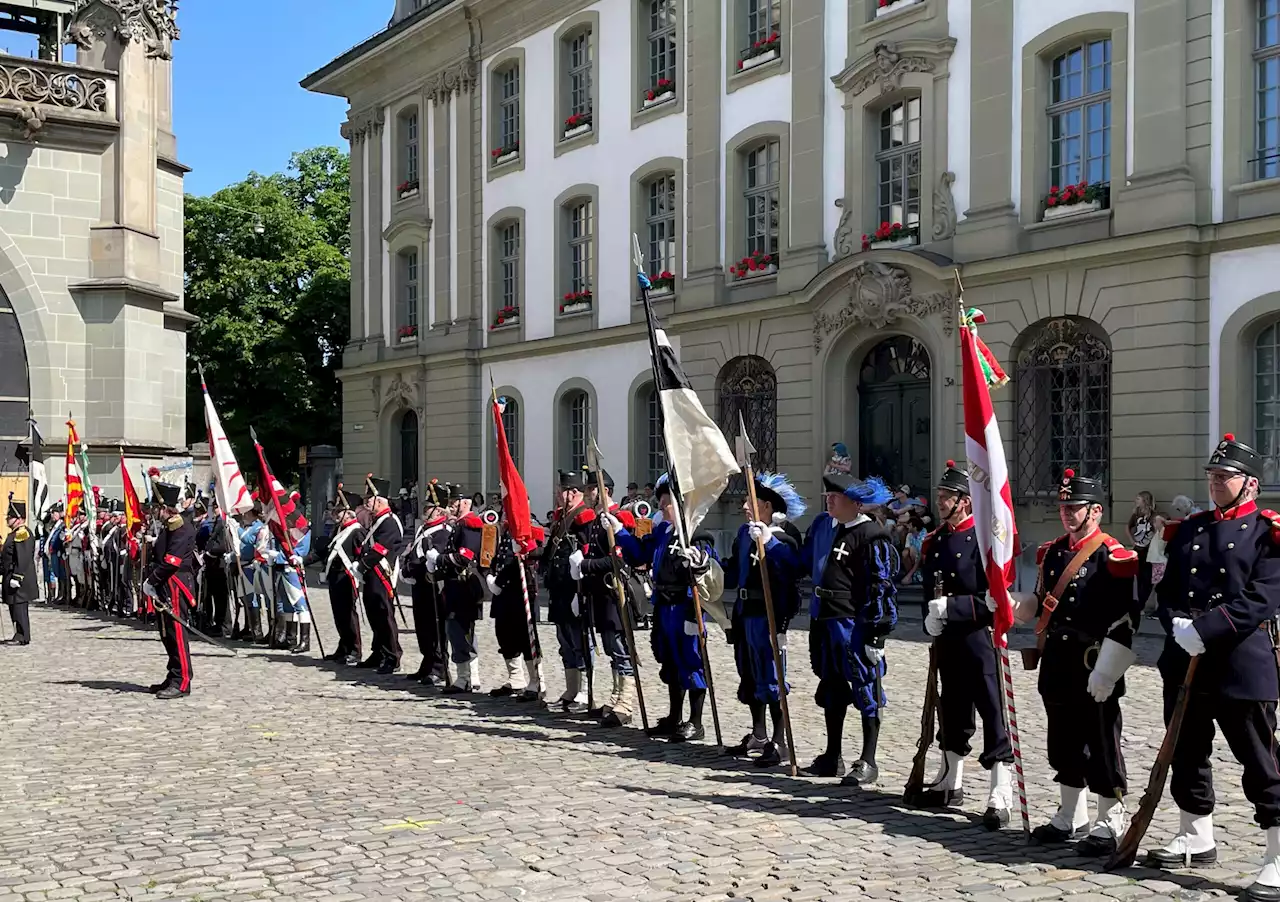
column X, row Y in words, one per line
column 275, row 505
column 988, row 472
column 132, row 507
column 515, row 498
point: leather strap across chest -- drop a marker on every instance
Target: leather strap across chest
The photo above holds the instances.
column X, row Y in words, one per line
column 1086, row 551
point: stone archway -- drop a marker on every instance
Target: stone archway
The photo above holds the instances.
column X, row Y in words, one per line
column 15, row 392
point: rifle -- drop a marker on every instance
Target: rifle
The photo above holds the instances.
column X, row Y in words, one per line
column 1127, row 850
column 745, row 450
column 929, row 716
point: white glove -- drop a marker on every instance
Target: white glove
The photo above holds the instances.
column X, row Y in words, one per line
column 296, row 562
column 1185, row 634
column 938, row 608
column 151, row 540
column 758, row 530
column 933, row 626
column 408, row 580
column 575, row 565
column 1100, row 686
column 150, row 590
column 614, row 523
column 14, row 582
column 433, row 555
column 492, row 582
column 228, row 558
column 874, row 655
column 575, row 608
column 695, row 555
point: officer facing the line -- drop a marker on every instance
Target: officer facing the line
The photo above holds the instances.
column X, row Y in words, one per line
column 1218, row 601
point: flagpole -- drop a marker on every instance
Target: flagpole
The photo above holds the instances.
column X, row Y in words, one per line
column 534, row 649
column 679, row 525
column 1001, row 649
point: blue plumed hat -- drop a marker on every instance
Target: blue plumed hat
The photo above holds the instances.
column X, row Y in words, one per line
column 781, row 495
column 869, row 492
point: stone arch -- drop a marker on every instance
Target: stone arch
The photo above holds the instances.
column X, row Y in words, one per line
column 518, row 440
column 1235, row 408
column 857, row 303
column 638, row 417
column 399, row 396
column 560, row 422
column 20, row 294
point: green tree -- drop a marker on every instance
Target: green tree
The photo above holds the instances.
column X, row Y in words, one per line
column 268, row 273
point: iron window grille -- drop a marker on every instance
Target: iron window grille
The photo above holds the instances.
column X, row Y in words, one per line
column 1062, row 381
column 580, row 52
column 1080, row 115
column 580, row 247
column 509, row 265
column 509, row 108
column 660, row 224
column 761, row 195
column 749, row 387
column 898, row 165
column 662, row 41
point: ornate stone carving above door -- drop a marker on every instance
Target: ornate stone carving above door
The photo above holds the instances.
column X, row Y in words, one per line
column 880, row 294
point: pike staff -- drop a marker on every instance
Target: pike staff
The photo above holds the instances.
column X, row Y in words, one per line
column 745, row 449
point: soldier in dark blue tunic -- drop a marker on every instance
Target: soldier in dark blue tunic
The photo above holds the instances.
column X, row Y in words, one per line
column 759, row 682
column 955, row 589
column 560, row 570
column 1218, row 600
column 1087, row 615
column 853, row 563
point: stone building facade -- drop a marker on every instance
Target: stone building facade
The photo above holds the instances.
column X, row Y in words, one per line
column 91, row 229
column 1091, row 171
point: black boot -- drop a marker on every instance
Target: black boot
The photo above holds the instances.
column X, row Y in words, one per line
column 304, row 639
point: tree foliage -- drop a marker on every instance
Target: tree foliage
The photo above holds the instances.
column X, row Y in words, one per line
column 274, row 308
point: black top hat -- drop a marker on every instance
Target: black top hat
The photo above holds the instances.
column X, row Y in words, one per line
column 954, row 480
column 375, row 487
column 1079, row 489
column 835, row 483
column 167, row 493
column 17, row 511
column 1236, row 457
column 573, row 479
column 604, row 474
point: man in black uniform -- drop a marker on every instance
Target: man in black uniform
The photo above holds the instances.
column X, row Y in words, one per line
column 171, row 587
column 378, row 564
column 339, row 574
column 559, row 568
column 458, row 567
column 219, row 545
column 1085, row 602
column 426, row 586
column 955, row 586
column 1218, row 601
column 19, row 584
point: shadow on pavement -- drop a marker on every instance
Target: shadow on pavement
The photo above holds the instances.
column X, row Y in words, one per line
column 105, row 685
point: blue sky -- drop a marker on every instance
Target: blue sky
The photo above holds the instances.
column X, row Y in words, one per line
column 237, row 104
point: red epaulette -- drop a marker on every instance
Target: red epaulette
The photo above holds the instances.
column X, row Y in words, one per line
column 924, row 543
column 585, row 516
column 1121, row 561
column 1171, row 529
column 471, row 520
column 1274, row 519
column 626, row 518
column 1042, row 551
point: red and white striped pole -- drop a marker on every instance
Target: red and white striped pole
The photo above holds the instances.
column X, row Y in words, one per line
column 1011, row 723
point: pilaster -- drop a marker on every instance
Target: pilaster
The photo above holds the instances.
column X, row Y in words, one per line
column 704, row 272
column 442, row 133
column 806, row 253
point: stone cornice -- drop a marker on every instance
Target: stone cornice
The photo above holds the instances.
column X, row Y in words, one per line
column 887, row 63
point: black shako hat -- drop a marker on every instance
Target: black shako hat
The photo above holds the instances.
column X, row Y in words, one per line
column 439, row 493
column 167, row 493
column 954, row 479
column 574, row 479
column 1079, row 489
column 1235, row 457
column 17, row 511
column 375, row 487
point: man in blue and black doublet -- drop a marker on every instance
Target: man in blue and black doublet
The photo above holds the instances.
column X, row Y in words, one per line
column 1087, row 613
column 1218, row 601
column 171, row 586
column 559, row 567
column 758, row 679
column 675, row 633
column 853, row 563
column 957, row 616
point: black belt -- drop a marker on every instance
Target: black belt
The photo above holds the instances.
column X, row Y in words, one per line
column 1077, row 635
column 832, row 594
column 750, row 595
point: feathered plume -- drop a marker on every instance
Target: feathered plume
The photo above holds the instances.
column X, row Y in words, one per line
column 869, row 492
column 780, row 485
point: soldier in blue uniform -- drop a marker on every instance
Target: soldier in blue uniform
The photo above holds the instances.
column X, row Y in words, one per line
column 459, row 568
column 853, row 562
column 674, row 636
column 1087, row 615
column 955, row 589
column 758, row 679
column 426, row 584
column 1218, row 600
column 560, row 569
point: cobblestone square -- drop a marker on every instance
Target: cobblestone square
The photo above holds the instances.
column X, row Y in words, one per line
column 286, row 777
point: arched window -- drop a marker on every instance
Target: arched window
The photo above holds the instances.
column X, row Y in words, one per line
column 1062, row 380
column 748, row 389
column 649, row 457
column 511, row 426
column 1266, row 402
column 575, row 412
column 408, row 448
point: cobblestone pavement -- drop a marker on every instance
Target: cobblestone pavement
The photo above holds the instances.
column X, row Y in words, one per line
column 285, row 777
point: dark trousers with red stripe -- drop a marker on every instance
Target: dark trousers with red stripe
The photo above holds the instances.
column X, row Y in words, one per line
column 174, row 635
column 379, row 607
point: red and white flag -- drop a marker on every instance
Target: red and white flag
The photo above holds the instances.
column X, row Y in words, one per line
column 233, row 495
column 515, row 498
column 988, row 470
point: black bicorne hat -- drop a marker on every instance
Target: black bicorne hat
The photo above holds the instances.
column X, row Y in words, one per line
column 17, row 511
column 167, row 493
column 954, row 479
column 1235, row 457
column 835, row 483
column 574, row 479
column 375, row 487
column 1079, row 489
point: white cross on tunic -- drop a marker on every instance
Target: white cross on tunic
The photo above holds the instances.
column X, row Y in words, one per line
column 841, row 552
column 755, row 557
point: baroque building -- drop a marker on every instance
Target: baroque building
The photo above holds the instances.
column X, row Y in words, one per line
column 814, row 180
column 91, row 281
